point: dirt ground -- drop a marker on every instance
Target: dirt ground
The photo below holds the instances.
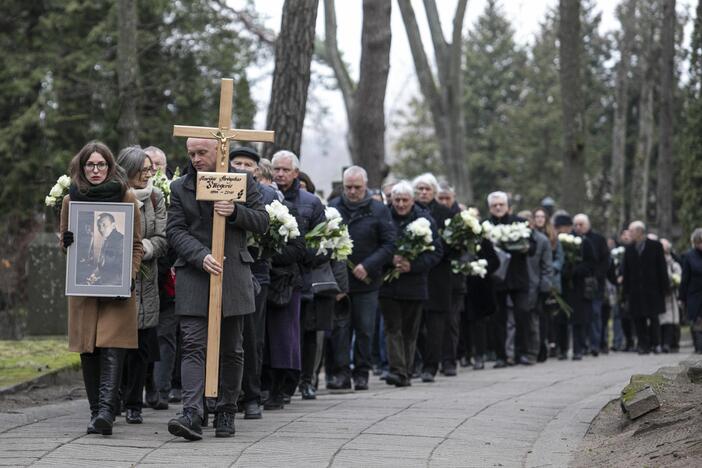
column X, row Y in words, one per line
column 69, row 387
column 668, row 437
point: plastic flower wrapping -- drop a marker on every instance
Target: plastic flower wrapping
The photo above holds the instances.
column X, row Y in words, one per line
column 331, row 235
column 510, row 237
column 281, row 228
column 463, row 232
column 58, row 191
column 162, row 183
column 415, row 239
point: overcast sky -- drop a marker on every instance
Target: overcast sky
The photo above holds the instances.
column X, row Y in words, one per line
column 323, row 146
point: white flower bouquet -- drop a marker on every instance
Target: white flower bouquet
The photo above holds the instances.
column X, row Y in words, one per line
column 58, row 191
column 282, row 227
column 162, row 183
column 463, row 232
column 475, row 268
column 572, row 247
column 331, row 235
column 617, row 254
column 510, row 237
column 675, row 279
column 416, row 239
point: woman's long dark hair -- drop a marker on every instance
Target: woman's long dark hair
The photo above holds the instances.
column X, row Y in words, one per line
column 77, row 166
column 548, row 229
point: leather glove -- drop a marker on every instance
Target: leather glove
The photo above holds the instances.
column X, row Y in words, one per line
column 67, row 238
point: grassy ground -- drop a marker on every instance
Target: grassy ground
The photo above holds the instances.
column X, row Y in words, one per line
column 29, row 358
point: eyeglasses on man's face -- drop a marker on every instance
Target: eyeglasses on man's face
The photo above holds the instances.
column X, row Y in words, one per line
column 101, row 166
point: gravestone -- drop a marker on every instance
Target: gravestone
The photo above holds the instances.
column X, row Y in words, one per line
column 46, row 285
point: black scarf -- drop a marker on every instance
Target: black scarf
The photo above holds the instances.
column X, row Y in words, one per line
column 108, row 191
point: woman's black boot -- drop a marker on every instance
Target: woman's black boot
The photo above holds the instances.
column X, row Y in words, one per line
column 111, row 360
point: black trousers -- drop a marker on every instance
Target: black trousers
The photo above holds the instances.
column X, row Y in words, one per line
column 648, row 331
column 452, row 331
column 478, row 336
column 136, row 363
column 402, row 320
column 254, row 336
column 430, row 347
column 560, row 332
column 521, row 322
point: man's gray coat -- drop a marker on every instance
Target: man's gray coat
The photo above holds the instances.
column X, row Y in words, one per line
column 189, row 232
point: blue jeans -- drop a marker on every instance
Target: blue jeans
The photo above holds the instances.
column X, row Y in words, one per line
column 596, row 325
column 360, row 323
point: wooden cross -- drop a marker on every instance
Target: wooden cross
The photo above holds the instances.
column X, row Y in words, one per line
column 223, row 134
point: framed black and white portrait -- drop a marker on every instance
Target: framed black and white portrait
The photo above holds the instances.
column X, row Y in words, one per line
column 100, row 258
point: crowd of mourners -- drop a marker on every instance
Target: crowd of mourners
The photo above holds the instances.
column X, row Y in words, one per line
column 409, row 304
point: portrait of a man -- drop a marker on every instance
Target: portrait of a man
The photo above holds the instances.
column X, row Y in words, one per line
column 108, row 270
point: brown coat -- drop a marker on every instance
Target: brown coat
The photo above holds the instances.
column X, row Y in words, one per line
column 102, row 322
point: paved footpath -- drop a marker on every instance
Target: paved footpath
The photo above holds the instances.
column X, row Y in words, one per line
column 520, row 416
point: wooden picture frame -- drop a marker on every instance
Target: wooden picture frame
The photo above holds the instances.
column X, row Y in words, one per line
column 99, row 262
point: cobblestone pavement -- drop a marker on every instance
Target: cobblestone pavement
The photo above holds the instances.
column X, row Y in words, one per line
column 519, row 416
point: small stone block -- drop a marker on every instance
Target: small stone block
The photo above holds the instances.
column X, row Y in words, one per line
column 642, row 402
column 694, row 372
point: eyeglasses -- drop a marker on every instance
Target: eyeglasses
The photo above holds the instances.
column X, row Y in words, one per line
column 148, row 170
column 101, row 166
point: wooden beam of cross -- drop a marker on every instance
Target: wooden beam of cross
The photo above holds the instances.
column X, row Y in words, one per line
column 223, row 134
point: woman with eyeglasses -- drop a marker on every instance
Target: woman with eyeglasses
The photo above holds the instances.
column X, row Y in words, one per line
column 152, row 209
column 101, row 329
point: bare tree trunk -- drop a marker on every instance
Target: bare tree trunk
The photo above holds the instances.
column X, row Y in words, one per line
column 644, row 147
column 291, row 77
column 127, row 73
column 445, row 99
column 664, row 177
column 618, row 177
column 365, row 101
column 570, row 51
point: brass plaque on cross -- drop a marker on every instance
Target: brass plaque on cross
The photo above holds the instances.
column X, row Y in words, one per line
column 221, row 186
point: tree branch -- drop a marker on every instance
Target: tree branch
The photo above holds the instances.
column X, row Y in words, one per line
column 456, row 48
column 421, row 64
column 441, row 47
column 333, row 57
column 265, row 35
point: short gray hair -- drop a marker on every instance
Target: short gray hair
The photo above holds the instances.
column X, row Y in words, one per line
column 428, row 179
column 445, row 187
column 495, row 195
column 696, row 236
column 638, row 225
column 265, row 169
column 285, row 154
column 352, row 171
column 155, row 150
column 131, row 159
column 403, row 187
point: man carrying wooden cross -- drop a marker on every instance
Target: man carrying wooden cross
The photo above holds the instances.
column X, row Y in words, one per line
column 190, row 234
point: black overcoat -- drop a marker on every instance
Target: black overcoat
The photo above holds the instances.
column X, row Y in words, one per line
column 480, row 300
column 646, row 280
column 440, row 277
column 691, row 284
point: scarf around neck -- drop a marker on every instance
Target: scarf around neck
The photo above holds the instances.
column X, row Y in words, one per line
column 108, row 191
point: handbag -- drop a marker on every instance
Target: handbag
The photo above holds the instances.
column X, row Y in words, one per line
column 591, row 288
column 501, row 273
column 322, row 281
column 280, row 289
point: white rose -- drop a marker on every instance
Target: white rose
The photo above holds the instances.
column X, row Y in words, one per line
column 50, row 201
column 331, row 213
column 64, row 181
column 56, row 191
column 578, row 241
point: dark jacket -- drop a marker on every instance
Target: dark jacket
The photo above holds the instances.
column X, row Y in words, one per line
column 480, row 299
column 413, row 285
column 458, row 281
column 691, row 284
column 646, row 280
column 190, row 234
column 261, row 266
column 373, row 234
column 440, row 277
column 517, row 278
column 575, row 282
column 599, row 244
